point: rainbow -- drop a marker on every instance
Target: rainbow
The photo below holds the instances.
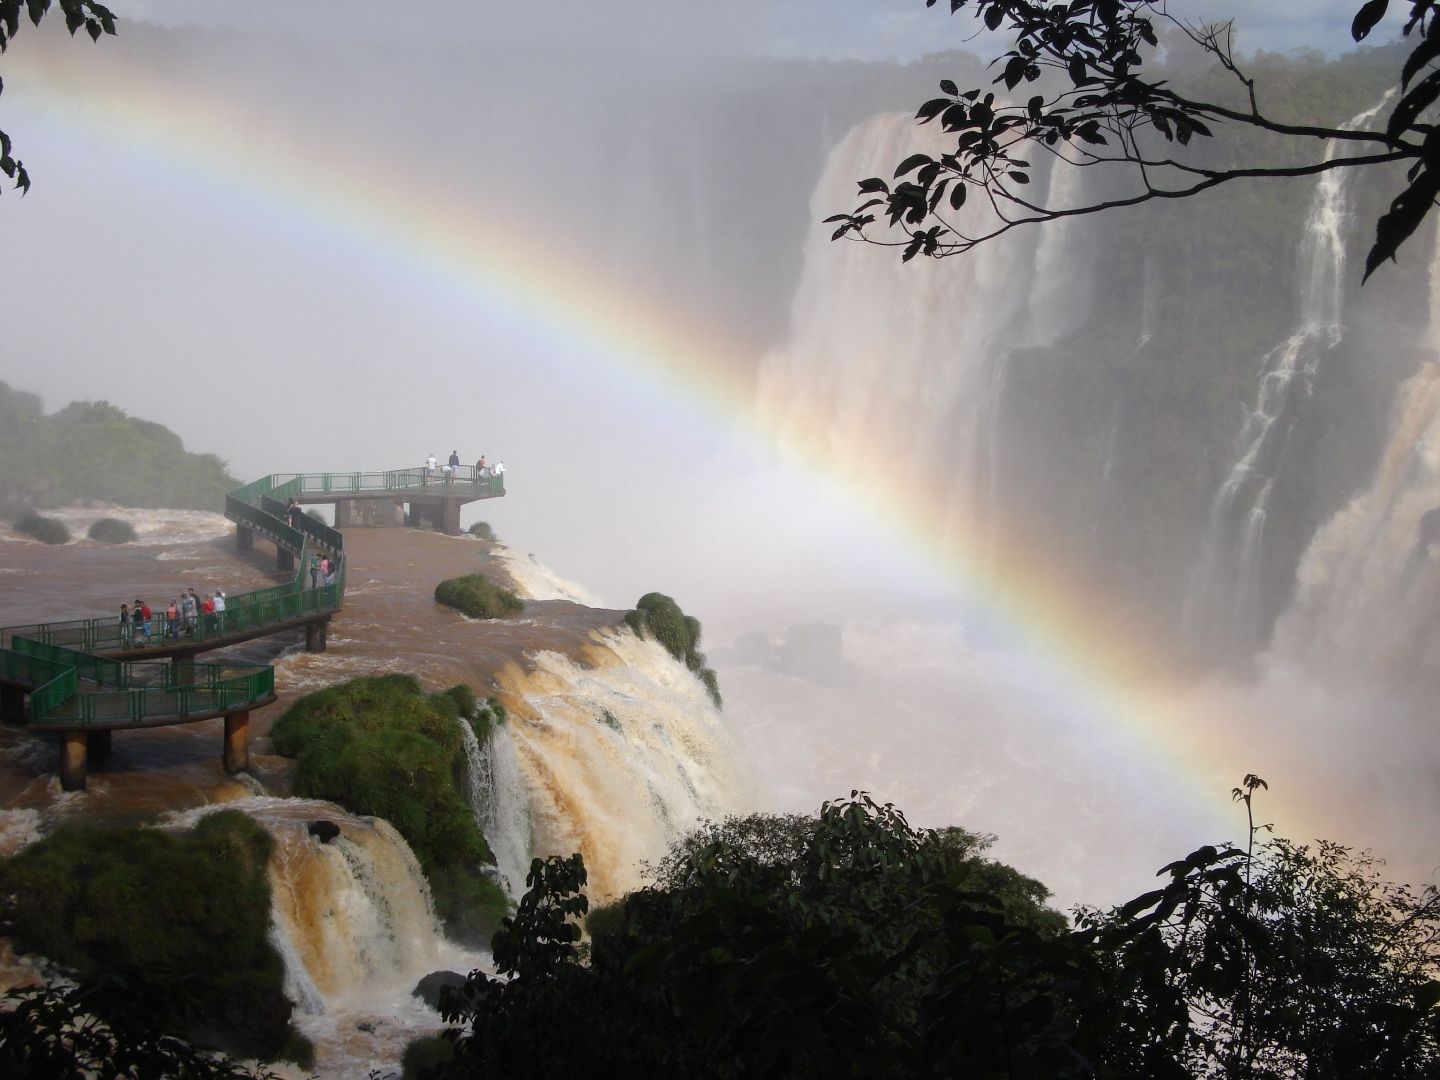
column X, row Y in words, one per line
column 1101, row 667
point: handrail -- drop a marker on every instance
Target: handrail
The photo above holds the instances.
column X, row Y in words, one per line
column 54, row 659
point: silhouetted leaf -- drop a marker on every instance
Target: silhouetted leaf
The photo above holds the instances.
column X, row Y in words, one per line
column 1367, row 17
column 914, row 161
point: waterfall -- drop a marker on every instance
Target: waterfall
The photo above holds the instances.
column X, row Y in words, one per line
column 621, row 753
column 1226, row 608
column 1365, row 601
column 352, row 918
column 500, row 801
column 902, row 365
column 353, row 922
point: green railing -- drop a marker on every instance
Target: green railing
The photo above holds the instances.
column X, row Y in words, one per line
column 70, row 683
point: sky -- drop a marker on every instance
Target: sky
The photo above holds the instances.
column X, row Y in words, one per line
column 865, row 29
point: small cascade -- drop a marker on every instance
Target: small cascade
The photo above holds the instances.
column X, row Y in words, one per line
column 353, row 922
column 500, row 801
column 353, row 917
column 621, row 754
column 1063, row 282
column 1226, row 611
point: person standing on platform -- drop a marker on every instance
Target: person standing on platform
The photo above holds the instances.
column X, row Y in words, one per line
column 125, row 625
column 142, row 614
column 219, row 603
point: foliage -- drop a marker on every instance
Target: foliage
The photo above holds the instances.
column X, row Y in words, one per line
column 46, row 529
column 94, row 18
column 477, row 596
column 485, row 716
column 1092, row 100
column 181, row 922
column 49, row 1032
column 382, row 746
column 423, row 1055
column 112, row 531
column 657, row 616
column 93, row 450
column 857, row 946
column 483, row 531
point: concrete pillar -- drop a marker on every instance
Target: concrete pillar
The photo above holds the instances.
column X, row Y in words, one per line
column 12, row 705
column 450, row 517
column 244, row 539
column 412, row 516
column 344, row 513
column 237, row 742
column 315, row 633
column 72, row 760
column 98, row 745
column 284, row 560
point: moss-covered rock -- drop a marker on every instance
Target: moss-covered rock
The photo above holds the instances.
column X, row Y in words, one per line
column 657, row 616
column 48, row 530
column 112, row 531
column 383, row 746
column 479, row 597
column 183, row 921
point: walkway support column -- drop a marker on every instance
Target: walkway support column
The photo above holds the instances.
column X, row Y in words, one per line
column 412, row 516
column 344, row 513
column 12, row 705
column 244, row 539
column 98, row 744
column 315, row 634
column 237, row 742
column 284, row 560
column 72, row 760
column 450, row 517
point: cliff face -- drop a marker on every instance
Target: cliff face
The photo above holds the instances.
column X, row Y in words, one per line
column 1168, row 402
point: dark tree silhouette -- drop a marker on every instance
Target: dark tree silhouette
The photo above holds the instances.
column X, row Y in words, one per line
column 94, row 18
column 1082, row 92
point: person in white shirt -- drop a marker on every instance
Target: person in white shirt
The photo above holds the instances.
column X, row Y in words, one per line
column 498, row 469
column 429, row 467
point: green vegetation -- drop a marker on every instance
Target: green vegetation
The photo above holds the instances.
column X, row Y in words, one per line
column 483, row 531
column 383, row 746
column 477, row 596
column 112, row 531
column 657, row 616
column 176, row 928
column 45, row 529
column 485, row 716
column 92, row 450
column 854, row 946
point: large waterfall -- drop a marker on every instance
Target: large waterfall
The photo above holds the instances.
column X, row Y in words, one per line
column 621, row 755
column 1225, row 611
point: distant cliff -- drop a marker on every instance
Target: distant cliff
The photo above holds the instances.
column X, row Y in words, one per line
column 93, row 450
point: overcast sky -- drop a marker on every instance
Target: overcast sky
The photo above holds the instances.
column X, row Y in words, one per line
column 870, row 29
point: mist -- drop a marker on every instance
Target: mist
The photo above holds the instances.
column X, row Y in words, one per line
column 347, row 236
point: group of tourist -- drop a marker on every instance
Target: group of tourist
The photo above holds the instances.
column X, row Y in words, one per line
column 323, row 570
column 452, row 467
column 180, row 617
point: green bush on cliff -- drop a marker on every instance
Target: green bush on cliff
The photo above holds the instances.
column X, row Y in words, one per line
column 112, row 531
column 182, row 922
column 383, row 746
column 477, row 596
column 481, row 530
column 657, row 616
column 47, row 530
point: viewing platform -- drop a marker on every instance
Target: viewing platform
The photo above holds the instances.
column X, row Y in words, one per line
column 411, row 497
column 87, row 678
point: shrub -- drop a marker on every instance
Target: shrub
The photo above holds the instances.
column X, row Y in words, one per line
column 477, row 596
column 112, row 531
column 183, row 922
column 382, row 746
column 485, row 717
column 657, row 616
column 483, row 531
column 45, row 529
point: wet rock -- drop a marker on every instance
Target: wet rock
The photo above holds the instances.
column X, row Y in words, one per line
column 324, row 831
column 428, row 989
